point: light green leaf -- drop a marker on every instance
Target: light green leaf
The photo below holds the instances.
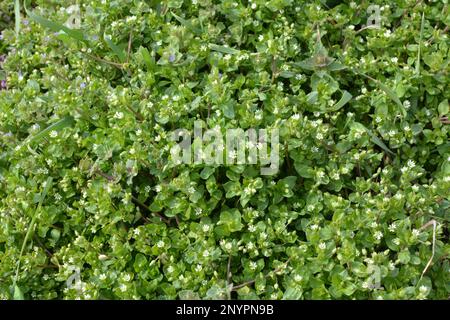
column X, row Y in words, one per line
column 443, row 107
column 17, row 16
column 18, row 294
column 223, row 49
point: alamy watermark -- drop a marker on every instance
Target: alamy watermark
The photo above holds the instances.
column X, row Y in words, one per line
column 239, row 147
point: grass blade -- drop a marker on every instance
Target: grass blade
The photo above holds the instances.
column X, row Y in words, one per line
column 186, row 23
column 379, row 142
column 67, row 121
column 18, row 295
column 116, row 49
column 146, row 57
column 389, row 92
column 346, row 97
column 17, row 15
column 420, row 44
column 223, row 49
column 54, row 26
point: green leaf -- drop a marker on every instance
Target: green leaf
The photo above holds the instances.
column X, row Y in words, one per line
column 232, row 189
column 228, row 109
column 120, row 53
column 186, row 23
column 420, row 43
column 206, row 172
column 287, row 74
column 304, row 170
column 47, row 186
column 17, row 16
column 18, row 294
column 346, row 97
column 54, row 26
column 443, row 107
column 65, row 122
column 231, row 219
column 147, row 58
column 379, row 143
column 389, row 92
column 223, row 49
column 336, row 66
column 140, row 263
column 312, row 97
column 404, row 256
column 292, row 293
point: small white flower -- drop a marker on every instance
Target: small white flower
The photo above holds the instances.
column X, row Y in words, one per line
column 378, row 235
column 118, row 115
column 396, row 241
column 158, row 188
column 423, row 289
column 127, row 278
column 406, row 104
column 53, row 134
column 102, row 257
column 160, row 244
column 322, row 246
column 410, row 164
column 206, row 228
column 415, row 233
column 253, row 265
column 392, row 227
column 298, row 278
column 394, row 60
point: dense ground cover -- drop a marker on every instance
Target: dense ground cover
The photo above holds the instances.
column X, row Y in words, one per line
column 93, row 206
